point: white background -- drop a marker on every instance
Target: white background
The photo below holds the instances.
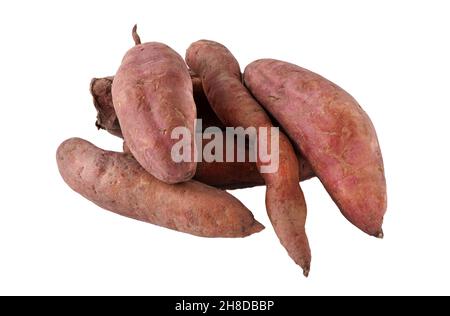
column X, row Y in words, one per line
column 392, row 56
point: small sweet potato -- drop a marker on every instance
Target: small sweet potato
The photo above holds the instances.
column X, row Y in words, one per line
column 332, row 131
column 152, row 95
column 116, row 182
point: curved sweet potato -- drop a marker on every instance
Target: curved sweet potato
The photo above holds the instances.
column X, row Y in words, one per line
column 152, row 95
column 332, row 132
column 233, row 104
column 116, row 182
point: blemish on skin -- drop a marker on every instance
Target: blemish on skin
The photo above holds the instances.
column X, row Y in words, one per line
column 80, row 172
column 274, row 98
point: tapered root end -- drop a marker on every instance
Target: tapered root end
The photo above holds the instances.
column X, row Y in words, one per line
column 306, row 272
column 305, row 264
column 306, row 267
column 255, row 228
column 300, row 252
column 380, row 234
column 136, row 38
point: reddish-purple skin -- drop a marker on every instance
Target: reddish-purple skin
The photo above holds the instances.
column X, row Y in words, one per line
column 100, row 89
column 224, row 175
column 152, row 95
column 116, row 182
column 236, row 175
column 333, row 133
column 233, row 104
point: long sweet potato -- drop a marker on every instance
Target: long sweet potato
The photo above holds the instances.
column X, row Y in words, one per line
column 152, row 95
column 332, row 132
column 233, row 104
column 116, row 182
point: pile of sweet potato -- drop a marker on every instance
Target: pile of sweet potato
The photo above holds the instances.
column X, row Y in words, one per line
column 323, row 132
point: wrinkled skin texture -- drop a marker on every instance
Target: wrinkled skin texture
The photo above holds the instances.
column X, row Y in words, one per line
column 332, row 131
column 116, row 182
column 221, row 78
column 152, row 95
column 100, row 89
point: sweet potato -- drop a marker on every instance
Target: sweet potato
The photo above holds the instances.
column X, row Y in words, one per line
column 100, row 89
column 236, row 175
column 233, row 104
column 332, row 132
column 152, row 95
column 117, row 182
